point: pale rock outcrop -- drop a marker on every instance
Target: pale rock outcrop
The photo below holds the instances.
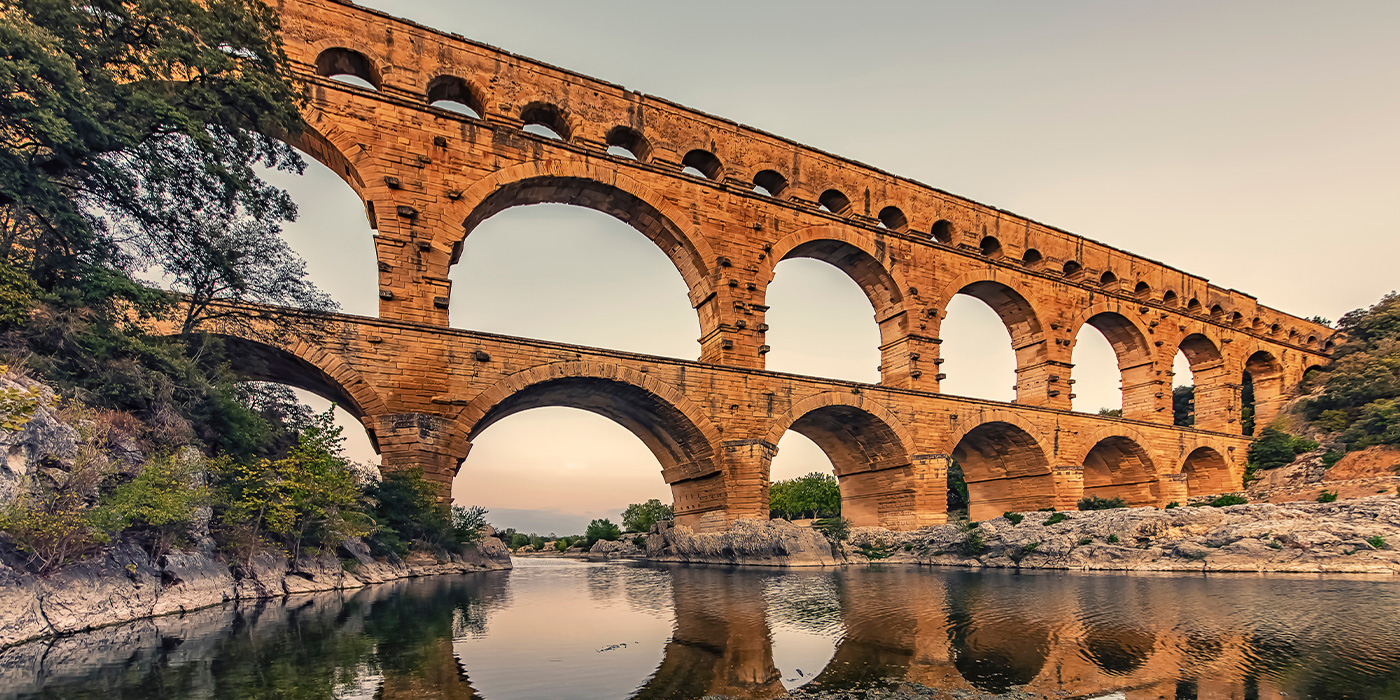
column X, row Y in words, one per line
column 45, row 440
column 623, row 548
column 747, row 542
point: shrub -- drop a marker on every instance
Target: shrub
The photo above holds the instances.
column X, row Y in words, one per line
column 561, row 545
column 602, row 529
column 1055, row 518
column 972, row 544
column 640, row 541
column 1330, row 458
column 876, row 551
column 160, row 503
column 1376, row 541
column 468, row 523
column 406, row 511
column 908, row 546
column 1015, row 518
column 835, row 529
column 1229, row 499
column 1327, row 497
column 815, row 495
column 639, row 517
column 1173, row 504
column 1031, row 547
column 1113, row 539
column 519, row 540
column 1096, row 503
column 1086, row 540
column 1275, row 448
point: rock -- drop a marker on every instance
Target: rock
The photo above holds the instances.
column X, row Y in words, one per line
column 45, row 440
column 21, row 616
column 623, row 548
column 747, row 542
column 117, row 586
column 193, row 580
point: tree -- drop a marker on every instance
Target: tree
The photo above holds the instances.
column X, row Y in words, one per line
column 406, row 510
column 161, row 503
column 639, row 517
column 602, row 529
column 1184, row 405
column 815, row 495
column 468, row 523
column 1111, row 412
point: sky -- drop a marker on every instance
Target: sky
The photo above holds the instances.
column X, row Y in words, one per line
column 1253, row 143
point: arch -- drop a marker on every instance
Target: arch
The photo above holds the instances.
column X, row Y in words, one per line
column 893, row 218
column 1031, row 258
column 869, row 449
column 1004, row 466
column 852, row 252
column 1143, row 290
column 1116, row 466
column 942, row 231
column 1217, row 311
column 1132, row 351
column 673, row 427
column 450, row 88
column 1274, row 329
column 549, row 116
column 703, row 162
column 1193, row 306
column 834, row 201
column 1169, row 298
column 1198, row 349
column 1108, row 279
column 337, row 60
column 1071, row 268
column 566, row 182
column 1236, row 318
column 771, row 181
column 990, row 247
column 1266, row 373
column 630, row 141
column 1010, row 303
column 1329, row 345
column 1206, row 472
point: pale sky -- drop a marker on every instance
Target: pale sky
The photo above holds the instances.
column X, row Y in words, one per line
column 1253, row 143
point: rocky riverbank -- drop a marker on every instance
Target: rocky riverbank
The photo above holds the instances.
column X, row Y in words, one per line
column 122, row 584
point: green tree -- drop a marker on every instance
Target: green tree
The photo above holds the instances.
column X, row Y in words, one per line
column 639, row 517
column 407, row 512
column 602, row 529
column 1111, row 412
column 160, row 503
column 1361, row 385
column 1184, row 405
column 1275, row 448
column 468, row 523
column 815, row 495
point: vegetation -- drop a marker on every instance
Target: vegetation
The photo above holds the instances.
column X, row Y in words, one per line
column 1376, row 541
column 1184, row 405
column 1097, row 503
column 1358, row 394
column 1276, row 448
column 639, row 517
column 158, row 505
column 958, row 498
column 815, row 495
column 835, row 529
column 1173, row 504
column 972, row 544
column 1228, row 499
column 602, row 529
column 1055, row 518
column 1327, row 497
column 1111, row 412
column 1113, row 539
column 1015, row 518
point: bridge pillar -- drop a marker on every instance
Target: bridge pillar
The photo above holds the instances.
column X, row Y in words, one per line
column 911, row 361
column 1069, row 486
column 1043, row 383
column 747, row 462
column 1172, row 487
column 434, row 444
column 1146, row 395
column 732, row 323
column 413, row 261
column 1217, row 398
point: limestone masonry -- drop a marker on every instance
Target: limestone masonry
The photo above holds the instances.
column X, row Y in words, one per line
column 726, row 203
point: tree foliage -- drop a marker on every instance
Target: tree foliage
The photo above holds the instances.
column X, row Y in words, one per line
column 602, row 529
column 815, row 495
column 639, row 517
column 1360, row 387
column 1275, row 448
column 1184, row 405
column 160, row 503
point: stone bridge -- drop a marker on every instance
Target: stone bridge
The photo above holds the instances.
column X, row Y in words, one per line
column 726, row 203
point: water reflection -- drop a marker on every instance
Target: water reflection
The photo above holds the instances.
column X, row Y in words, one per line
column 553, row 629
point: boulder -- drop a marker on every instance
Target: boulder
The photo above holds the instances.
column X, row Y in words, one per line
column 745, row 542
column 623, row 548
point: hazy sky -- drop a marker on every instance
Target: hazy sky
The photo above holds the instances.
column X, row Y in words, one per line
column 1253, row 143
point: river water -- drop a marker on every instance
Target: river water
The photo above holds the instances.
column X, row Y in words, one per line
column 559, row 629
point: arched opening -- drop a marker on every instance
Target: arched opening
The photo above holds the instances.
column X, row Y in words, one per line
column 349, row 67
column 834, row 202
column 1329, row 345
column 1112, row 367
column 1072, row 269
column 1117, row 467
column 1274, row 329
column 701, row 163
column 545, row 119
column 1207, row 472
column 681, row 448
column 1108, row 279
column 1236, row 318
column 870, row 461
column 769, row 183
column 981, row 329
column 990, row 247
column 942, row 231
column 1005, row 470
column 818, row 322
column 452, row 93
column 1193, row 306
column 1142, row 291
column 893, row 219
column 1262, row 392
column 573, row 274
column 1169, row 298
column 1032, row 258
column 626, row 142
column 1217, row 312
column 1193, row 373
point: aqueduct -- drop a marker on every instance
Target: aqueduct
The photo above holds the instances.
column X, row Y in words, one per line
column 726, row 203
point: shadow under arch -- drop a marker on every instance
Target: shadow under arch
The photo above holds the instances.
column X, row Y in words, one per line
column 1207, row 472
column 993, row 648
column 1005, row 469
column 676, row 431
column 1117, row 466
column 868, row 447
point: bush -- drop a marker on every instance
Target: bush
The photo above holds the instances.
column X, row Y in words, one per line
column 1327, row 497
column 1228, row 499
column 835, row 529
column 468, row 523
column 1085, row 540
column 1096, row 503
column 1015, row 518
column 639, row 517
column 1173, row 504
column 815, row 495
column 602, row 529
column 561, row 545
column 1330, row 458
column 1275, row 448
column 1113, row 539
column 1055, row 518
column 1376, row 541
column 160, row 504
column 406, row 512
column 640, row 541
column 519, row 540
column 972, row 544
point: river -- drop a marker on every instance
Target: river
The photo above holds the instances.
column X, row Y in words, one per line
column 566, row 629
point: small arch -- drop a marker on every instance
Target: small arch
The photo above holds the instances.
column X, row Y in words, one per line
column 1216, row 311
column 1118, row 467
column 770, row 183
column 1071, row 268
column 1312, row 340
column 545, row 119
column 337, row 62
column 701, row 163
column 1107, row 279
column 1005, row 470
column 942, row 231
column 452, row 93
column 1031, row 258
column 833, row 201
column 1274, row 329
column 1293, row 335
column 1143, row 290
column 1207, row 472
column 626, row 142
column 1257, row 324
column 1236, row 318
column 1193, row 306
column 1169, row 298
column 893, row 219
column 990, row 247
column 1329, row 345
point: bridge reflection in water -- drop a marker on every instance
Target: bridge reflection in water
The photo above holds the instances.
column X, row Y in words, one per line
column 685, row 633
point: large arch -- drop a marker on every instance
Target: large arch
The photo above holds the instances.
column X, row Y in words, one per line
column 1005, row 296
column 1214, row 398
column 1004, row 466
column 1133, row 352
column 869, row 449
column 1117, row 466
column 1207, row 472
column 676, row 431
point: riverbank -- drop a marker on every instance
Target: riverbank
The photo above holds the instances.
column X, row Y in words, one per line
column 123, row 585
